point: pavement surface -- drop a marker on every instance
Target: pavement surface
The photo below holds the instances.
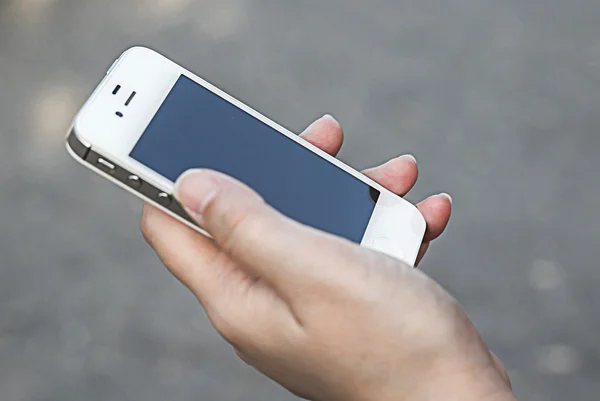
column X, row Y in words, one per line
column 498, row 100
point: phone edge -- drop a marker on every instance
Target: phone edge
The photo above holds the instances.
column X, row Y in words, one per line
column 80, row 151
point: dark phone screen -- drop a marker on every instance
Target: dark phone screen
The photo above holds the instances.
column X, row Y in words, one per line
column 195, row 128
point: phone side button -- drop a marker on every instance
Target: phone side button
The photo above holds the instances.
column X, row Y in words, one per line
column 164, row 199
column 134, row 181
column 105, row 166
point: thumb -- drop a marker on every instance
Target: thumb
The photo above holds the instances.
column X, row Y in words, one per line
column 266, row 244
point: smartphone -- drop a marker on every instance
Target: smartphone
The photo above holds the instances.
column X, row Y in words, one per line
column 150, row 120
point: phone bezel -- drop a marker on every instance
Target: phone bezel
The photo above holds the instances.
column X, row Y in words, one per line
column 396, row 226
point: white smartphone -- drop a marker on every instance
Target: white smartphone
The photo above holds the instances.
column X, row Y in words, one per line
column 150, row 120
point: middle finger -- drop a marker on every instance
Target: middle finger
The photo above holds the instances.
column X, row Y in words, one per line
column 398, row 175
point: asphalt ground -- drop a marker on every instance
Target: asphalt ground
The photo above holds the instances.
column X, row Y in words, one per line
column 498, row 100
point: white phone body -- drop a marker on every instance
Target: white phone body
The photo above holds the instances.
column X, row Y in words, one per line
column 103, row 141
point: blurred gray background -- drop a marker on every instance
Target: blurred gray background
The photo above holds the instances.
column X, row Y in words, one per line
column 498, row 100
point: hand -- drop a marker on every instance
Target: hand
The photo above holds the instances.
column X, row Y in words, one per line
column 398, row 175
column 325, row 318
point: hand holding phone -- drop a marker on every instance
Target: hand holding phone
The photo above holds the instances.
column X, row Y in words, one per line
column 150, row 120
column 325, row 318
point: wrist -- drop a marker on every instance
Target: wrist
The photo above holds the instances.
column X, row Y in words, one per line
column 483, row 386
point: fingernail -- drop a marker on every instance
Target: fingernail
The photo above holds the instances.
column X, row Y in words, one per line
column 328, row 117
column 194, row 189
column 447, row 196
column 408, row 157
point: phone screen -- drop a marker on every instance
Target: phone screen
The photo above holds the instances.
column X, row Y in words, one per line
column 195, row 128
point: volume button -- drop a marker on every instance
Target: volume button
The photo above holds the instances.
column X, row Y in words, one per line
column 105, row 166
column 134, row 181
column 164, row 199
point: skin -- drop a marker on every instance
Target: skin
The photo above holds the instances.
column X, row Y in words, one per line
column 325, row 318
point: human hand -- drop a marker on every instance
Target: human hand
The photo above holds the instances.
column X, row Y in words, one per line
column 398, row 175
column 325, row 318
